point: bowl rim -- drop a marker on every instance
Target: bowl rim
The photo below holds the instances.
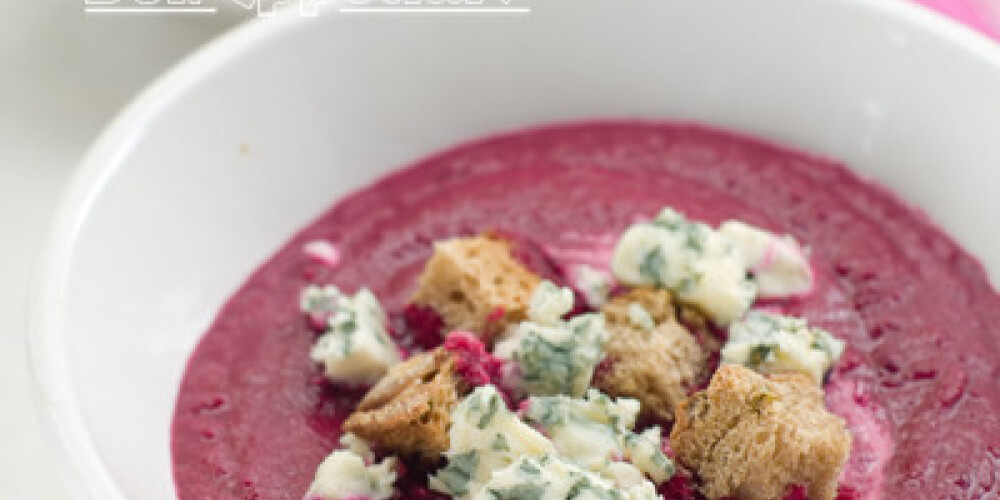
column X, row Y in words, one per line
column 70, row 444
column 63, row 424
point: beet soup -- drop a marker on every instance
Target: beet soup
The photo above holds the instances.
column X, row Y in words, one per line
column 917, row 384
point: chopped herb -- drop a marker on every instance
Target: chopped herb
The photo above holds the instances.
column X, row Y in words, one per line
column 630, row 440
column 652, row 264
column 474, row 402
column 759, row 354
column 348, row 341
column 349, row 326
column 757, row 401
column 693, row 240
column 529, row 468
column 456, row 475
column 524, row 491
column 545, row 411
column 500, row 443
column 578, row 487
column 661, row 461
column 490, row 412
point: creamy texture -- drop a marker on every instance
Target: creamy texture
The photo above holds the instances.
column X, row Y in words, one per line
column 594, row 285
column 355, row 346
column 917, row 382
column 345, row 476
column 550, row 355
column 699, row 265
column 779, row 264
column 551, row 478
column 772, row 343
column 484, row 437
column 596, row 433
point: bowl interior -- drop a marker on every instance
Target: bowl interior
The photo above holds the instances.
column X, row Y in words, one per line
column 225, row 158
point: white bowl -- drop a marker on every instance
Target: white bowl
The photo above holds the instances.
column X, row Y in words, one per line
column 213, row 167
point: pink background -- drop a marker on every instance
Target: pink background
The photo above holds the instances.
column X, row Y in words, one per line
column 983, row 15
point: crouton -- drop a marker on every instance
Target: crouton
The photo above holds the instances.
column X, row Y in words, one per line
column 475, row 285
column 658, row 365
column 752, row 437
column 656, row 301
column 408, row 412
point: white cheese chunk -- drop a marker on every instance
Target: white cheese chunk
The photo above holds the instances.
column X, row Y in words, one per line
column 484, row 437
column 549, row 303
column 772, row 343
column 624, row 474
column 779, row 264
column 345, row 475
column 494, row 453
column 596, row 433
column 549, row 355
column 356, row 346
column 551, row 478
column 691, row 259
column 645, row 452
column 594, row 285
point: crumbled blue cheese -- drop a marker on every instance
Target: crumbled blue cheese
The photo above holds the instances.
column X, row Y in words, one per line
column 549, row 355
column 772, row 343
column 551, row 478
column 494, row 455
column 691, row 259
column 779, row 265
column 320, row 301
column 594, row 285
column 645, row 452
column 484, row 437
column 596, row 433
column 345, row 475
column 549, row 303
column 356, row 346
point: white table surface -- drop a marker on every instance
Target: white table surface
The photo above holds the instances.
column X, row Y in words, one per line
column 63, row 76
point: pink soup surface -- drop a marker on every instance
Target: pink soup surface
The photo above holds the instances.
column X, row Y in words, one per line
column 919, row 384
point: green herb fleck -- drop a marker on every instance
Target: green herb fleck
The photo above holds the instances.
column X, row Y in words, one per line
column 757, row 401
column 525, row 491
column 500, row 443
column 456, row 475
column 491, row 411
column 758, row 355
column 529, row 469
column 652, row 264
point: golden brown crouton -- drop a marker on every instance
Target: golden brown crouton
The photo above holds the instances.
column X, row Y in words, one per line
column 752, row 437
column 409, row 410
column 656, row 301
column 476, row 285
column 657, row 366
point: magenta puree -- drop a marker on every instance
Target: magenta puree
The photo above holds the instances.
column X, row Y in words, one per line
column 919, row 384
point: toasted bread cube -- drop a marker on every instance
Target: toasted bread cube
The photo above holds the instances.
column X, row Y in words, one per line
column 658, row 365
column 476, row 285
column 656, row 301
column 752, row 437
column 409, row 411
